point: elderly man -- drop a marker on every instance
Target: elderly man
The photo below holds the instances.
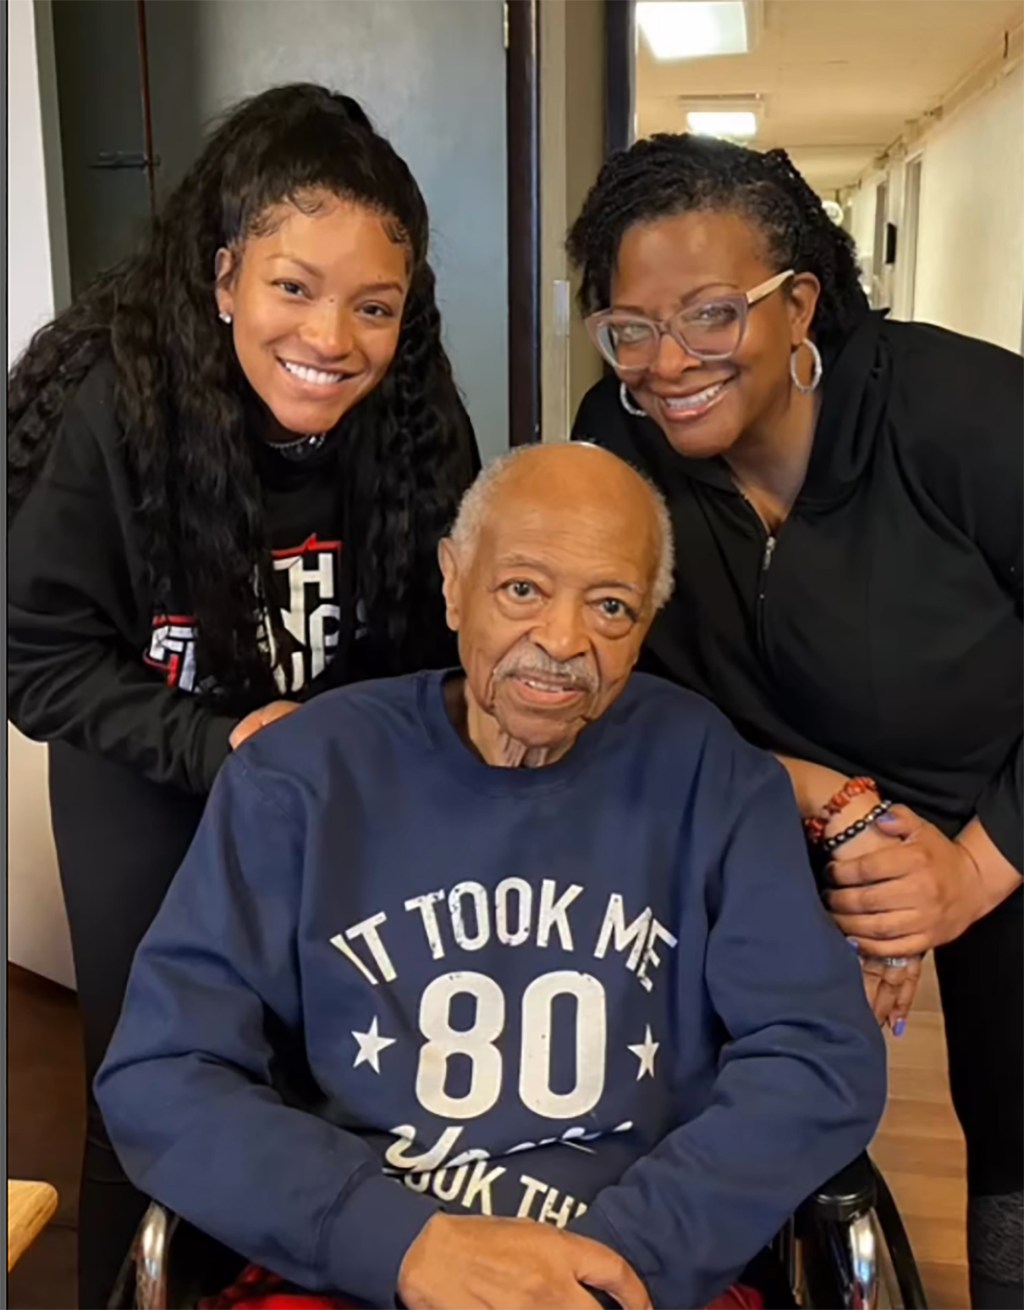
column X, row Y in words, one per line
column 545, row 935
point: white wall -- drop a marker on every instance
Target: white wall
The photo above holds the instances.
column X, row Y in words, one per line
column 968, row 273
column 37, row 934
column 571, row 153
column 862, row 226
column 970, row 255
column 584, row 132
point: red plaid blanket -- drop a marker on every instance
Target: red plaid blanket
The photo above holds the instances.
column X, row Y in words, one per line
column 258, row 1289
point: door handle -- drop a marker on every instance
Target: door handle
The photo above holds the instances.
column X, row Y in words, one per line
column 124, row 159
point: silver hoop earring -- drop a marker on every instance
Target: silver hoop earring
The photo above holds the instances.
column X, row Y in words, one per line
column 817, row 368
column 224, row 318
column 627, row 402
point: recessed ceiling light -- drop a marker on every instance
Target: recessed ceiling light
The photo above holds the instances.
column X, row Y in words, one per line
column 729, row 123
column 691, row 29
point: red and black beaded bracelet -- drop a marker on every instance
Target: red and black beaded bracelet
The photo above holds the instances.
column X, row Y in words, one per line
column 816, row 825
column 829, row 844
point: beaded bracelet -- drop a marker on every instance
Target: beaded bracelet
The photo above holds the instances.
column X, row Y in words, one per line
column 829, row 844
column 816, row 825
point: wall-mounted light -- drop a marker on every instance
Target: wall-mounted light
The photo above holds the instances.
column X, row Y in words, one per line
column 834, row 210
column 694, row 29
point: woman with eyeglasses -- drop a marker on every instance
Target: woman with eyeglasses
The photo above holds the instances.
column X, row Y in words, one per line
column 846, row 498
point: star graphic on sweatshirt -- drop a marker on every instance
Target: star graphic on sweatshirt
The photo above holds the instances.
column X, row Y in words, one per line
column 371, row 1044
column 645, row 1052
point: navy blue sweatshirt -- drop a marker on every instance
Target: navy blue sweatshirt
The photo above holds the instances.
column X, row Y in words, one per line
column 601, row 994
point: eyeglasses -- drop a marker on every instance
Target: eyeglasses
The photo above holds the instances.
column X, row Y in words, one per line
column 710, row 329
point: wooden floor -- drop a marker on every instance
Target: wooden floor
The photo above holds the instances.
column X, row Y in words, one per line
column 919, row 1147
column 920, row 1150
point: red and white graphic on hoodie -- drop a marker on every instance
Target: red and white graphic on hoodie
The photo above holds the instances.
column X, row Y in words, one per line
column 172, row 650
column 307, row 580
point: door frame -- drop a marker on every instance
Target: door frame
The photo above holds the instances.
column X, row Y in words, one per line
column 522, row 108
column 620, row 75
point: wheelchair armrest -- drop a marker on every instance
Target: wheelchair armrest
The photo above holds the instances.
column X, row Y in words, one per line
column 848, row 1195
column 172, row 1264
column 152, row 1258
column 144, row 1281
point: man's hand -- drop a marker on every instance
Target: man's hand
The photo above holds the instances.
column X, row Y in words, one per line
column 911, row 895
column 252, row 723
column 464, row 1262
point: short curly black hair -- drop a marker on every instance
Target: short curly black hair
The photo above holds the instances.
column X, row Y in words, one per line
column 668, row 174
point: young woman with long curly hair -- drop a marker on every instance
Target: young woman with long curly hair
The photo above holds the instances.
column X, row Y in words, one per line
column 229, row 465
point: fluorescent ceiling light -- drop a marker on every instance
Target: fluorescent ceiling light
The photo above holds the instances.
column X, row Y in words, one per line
column 730, row 123
column 690, row 29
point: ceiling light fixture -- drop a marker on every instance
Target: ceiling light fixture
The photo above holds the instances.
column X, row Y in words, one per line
column 739, row 124
column 693, row 29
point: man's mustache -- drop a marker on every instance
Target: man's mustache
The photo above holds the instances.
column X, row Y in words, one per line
column 533, row 662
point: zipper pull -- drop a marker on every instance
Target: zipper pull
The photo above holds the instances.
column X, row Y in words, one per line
column 769, row 550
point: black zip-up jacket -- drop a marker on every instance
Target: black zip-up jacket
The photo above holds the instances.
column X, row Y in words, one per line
column 94, row 664
column 881, row 631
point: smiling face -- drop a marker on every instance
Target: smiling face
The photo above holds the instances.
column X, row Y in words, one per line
column 679, row 263
column 554, row 600
column 316, row 301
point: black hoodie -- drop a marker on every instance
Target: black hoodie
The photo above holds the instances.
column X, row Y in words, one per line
column 881, row 632
column 95, row 664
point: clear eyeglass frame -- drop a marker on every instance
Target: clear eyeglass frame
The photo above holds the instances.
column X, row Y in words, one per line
column 601, row 326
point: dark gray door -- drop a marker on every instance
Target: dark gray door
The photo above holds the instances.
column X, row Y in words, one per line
column 103, row 149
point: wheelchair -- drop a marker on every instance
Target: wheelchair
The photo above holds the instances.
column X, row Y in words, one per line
column 844, row 1249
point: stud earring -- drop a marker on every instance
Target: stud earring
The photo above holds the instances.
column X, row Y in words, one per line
column 224, row 317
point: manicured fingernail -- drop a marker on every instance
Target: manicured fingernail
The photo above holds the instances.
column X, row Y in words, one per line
column 887, row 817
column 900, row 1028
column 853, row 944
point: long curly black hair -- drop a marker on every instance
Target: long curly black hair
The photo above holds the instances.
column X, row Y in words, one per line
column 181, row 396
column 667, row 174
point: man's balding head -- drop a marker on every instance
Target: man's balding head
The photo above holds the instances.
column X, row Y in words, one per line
column 557, row 563
column 571, row 470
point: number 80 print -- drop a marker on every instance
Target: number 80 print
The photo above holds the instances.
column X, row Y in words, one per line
column 477, row 1043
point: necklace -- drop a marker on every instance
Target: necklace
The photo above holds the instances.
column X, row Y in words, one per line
column 300, row 447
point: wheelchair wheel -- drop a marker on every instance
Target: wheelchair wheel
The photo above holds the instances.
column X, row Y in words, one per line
column 889, row 1295
column 866, row 1264
column 898, row 1272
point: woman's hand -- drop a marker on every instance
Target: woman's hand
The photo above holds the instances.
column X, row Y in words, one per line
column 912, row 894
column 890, row 990
column 252, row 723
